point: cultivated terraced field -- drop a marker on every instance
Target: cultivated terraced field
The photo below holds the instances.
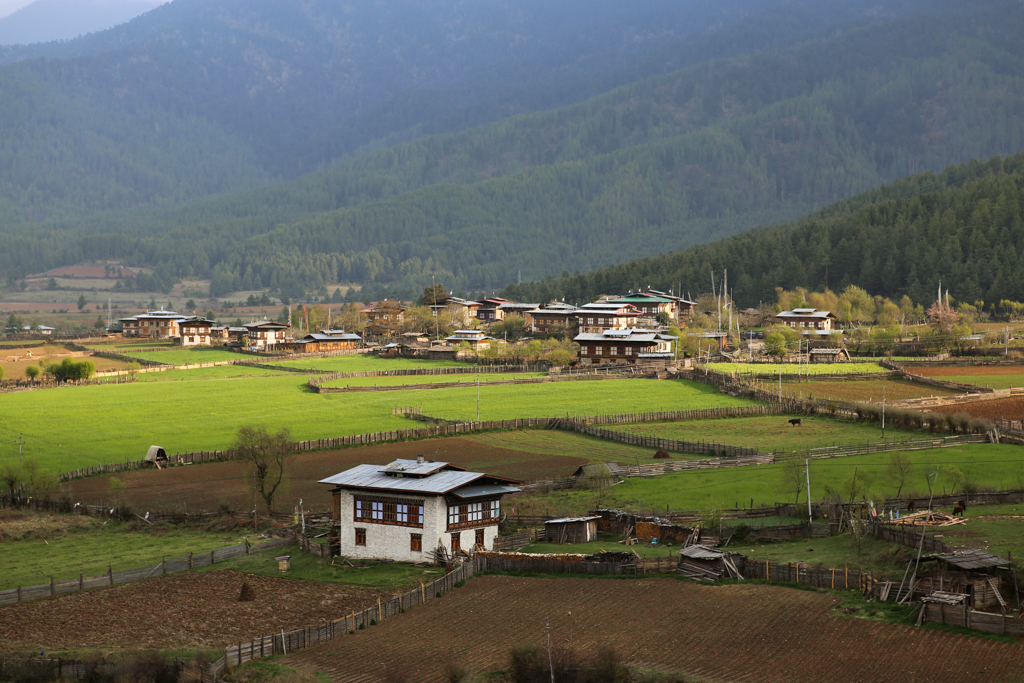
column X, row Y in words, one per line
column 1007, row 408
column 769, row 633
column 187, row 610
column 994, row 377
column 205, row 486
column 858, row 389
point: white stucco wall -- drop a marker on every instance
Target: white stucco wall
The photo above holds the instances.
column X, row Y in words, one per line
column 389, row 541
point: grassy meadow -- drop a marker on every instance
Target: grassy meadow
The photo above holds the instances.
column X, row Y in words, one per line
column 362, row 362
column 996, row 466
column 771, row 432
column 36, row 546
column 74, row 427
column 430, row 379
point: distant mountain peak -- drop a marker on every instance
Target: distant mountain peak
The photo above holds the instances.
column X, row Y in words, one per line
column 44, row 21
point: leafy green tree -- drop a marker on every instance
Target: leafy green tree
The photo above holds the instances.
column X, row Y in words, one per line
column 775, row 344
column 433, row 294
column 51, row 284
column 81, row 301
column 31, row 373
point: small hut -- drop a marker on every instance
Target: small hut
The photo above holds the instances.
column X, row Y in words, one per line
column 709, row 564
column 571, row 529
column 969, row 572
column 156, row 456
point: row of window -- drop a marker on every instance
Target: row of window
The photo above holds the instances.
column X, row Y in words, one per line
column 611, row 321
column 817, row 325
column 389, row 512
column 473, row 513
column 416, row 540
column 599, row 350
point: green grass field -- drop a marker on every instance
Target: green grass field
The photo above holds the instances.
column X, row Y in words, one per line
column 558, row 443
column 429, row 379
column 815, row 369
column 997, row 466
column 216, row 372
column 73, row 427
column 770, row 432
column 65, row 548
column 305, row 567
column 362, row 362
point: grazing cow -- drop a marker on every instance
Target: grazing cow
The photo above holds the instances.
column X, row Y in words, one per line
column 958, row 511
column 910, row 506
column 795, row 422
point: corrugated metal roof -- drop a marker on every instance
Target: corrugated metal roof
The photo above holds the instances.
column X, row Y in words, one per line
column 805, row 313
column 483, row 490
column 373, row 477
column 699, row 552
column 567, row 520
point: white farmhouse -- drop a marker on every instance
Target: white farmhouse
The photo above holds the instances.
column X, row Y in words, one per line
column 405, row 510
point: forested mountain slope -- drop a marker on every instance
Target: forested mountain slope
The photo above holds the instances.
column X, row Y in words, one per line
column 287, row 88
column 964, row 227
column 654, row 166
column 50, row 20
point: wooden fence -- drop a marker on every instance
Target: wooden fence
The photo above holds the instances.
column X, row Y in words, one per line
column 962, row 615
column 513, row 542
column 886, row 446
column 907, row 535
column 176, row 459
column 818, row 577
column 111, row 578
column 426, row 372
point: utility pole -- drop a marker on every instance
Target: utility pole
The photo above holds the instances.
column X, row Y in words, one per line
column 807, row 466
column 883, row 410
column 21, row 442
column 477, row 396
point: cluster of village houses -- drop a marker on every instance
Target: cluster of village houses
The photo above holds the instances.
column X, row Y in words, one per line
column 626, row 329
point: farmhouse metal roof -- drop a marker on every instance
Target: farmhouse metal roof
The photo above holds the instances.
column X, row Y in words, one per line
column 970, row 559
column 641, row 298
column 426, row 477
column 483, row 490
column 624, row 335
column 320, row 337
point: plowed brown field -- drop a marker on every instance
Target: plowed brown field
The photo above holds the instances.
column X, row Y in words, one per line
column 955, row 371
column 188, row 610
column 1006, row 408
column 718, row 633
column 204, row 486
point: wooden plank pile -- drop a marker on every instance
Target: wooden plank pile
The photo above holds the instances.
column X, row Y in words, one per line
column 929, row 518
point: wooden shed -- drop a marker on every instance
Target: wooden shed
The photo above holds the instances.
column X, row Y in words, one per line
column 972, row 572
column 571, row 529
column 156, row 456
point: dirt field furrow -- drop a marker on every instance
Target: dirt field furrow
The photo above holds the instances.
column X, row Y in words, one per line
column 722, row 633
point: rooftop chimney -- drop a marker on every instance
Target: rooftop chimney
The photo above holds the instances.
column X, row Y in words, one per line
column 419, row 459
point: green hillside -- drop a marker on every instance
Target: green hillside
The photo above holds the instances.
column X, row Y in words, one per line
column 654, row 166
column 964, row 226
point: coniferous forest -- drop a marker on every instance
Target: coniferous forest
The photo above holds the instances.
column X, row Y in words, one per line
column 277, row 173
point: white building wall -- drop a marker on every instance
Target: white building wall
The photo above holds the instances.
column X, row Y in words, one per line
column 393, row 542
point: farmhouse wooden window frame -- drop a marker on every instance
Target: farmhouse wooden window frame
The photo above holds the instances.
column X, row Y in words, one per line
column 416, row 543
column 391, row 511
column 360, row 536
column 469, row 516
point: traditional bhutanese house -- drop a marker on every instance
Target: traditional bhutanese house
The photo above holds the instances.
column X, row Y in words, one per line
column 558, row 315
column 808, row 321
column 514, row 308
column 970, row 572
column 408, row 509
column 265, row 335
column 623, row 346
column 154, row 324
column 220, row 334
column 571, row 530
column 648, row 305
column 476, row 339
column 463, row 310
column 598, row 317
column 325, row 340
column 196, row 331
column 490, row 311
column 238, row 336
column 684, row 307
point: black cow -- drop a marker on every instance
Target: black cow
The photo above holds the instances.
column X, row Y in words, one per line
column 795, row 422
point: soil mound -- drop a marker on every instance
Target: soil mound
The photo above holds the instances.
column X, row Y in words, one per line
column 662, row 454
column 247, row 594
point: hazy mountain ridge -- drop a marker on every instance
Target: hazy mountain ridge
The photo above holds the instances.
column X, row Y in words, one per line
column 44, row 21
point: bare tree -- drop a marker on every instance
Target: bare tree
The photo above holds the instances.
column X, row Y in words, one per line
column 897, row 470
column 267, row 453
column 793, row 475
